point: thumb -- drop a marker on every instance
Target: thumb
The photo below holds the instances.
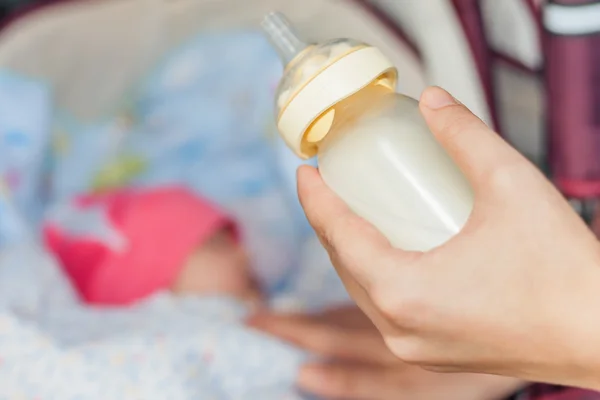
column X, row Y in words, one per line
column 469, row 141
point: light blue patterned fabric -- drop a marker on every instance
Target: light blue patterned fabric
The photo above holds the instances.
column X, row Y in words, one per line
column 25, row 120
column 25, row 112
column 13, row 228
column 203, row 119
column 51, row 347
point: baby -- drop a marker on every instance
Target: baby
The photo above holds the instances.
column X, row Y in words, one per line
column 121, row 247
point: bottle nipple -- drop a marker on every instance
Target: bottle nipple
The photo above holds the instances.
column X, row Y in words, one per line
column 282, row 36
column 318, row 76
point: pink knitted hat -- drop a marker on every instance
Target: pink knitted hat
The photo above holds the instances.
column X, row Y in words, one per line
column 120, row 247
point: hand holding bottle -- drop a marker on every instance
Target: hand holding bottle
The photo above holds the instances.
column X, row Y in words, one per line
column 516, row 292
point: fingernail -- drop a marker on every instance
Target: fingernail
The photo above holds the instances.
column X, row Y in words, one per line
column 436, row 98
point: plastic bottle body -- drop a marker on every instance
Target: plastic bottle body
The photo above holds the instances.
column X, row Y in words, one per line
column 375, row 151
column 383, row 161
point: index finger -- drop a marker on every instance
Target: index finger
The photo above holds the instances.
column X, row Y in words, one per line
column 352, row 242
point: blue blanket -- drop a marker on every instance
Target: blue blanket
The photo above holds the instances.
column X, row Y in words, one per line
column 203, row 118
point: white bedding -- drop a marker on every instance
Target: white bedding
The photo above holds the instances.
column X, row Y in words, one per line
column 51, row 347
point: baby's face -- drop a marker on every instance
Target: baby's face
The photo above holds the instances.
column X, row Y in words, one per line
column 218, row 266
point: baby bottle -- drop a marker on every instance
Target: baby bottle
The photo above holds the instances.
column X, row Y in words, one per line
column 337, row 101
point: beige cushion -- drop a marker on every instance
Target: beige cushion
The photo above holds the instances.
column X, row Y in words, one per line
column 94, row 51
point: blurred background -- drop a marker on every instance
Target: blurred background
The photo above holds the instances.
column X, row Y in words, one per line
column 97, row 95
column 528, row 67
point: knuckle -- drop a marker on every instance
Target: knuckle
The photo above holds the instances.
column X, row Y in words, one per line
column 408, row 350
column 330, row 234
column 405, row 307
column 334, row 239
column 325, row 239
column 392, row 309
column 317, row 217
column 402, row 312
column 503, row 178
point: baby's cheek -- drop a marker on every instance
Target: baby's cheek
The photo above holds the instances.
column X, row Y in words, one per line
column 228, row 276
column 213, row 273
